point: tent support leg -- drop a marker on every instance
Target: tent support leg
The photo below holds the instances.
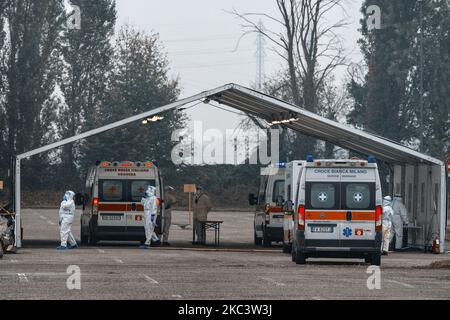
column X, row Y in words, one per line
column 443, row 206
column 18, row 226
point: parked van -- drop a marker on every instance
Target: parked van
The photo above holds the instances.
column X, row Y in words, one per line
column 112, row 208
column 269, row 214
column 292, row 184
column 337, row 211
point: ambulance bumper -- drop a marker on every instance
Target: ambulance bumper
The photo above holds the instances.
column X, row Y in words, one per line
column 338, row 246
column 120, row 233
column 275, row 233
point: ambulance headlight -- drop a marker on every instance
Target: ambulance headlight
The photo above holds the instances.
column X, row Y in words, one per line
column 372, row 159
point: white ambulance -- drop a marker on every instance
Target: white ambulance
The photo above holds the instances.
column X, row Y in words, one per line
column 336, row 212
column 269, row 213
column 292, row 182
column 112, row 208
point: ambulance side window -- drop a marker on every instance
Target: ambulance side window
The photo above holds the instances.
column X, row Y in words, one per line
column 321, row 195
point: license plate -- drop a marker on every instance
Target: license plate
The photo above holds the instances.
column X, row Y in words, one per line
column 322, row 229
column 111, row 218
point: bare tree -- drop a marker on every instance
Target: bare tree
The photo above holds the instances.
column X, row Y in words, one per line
column 310, row 46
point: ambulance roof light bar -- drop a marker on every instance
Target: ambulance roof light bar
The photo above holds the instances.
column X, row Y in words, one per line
column 106, row 164
column 310, row 158
column 127, row 164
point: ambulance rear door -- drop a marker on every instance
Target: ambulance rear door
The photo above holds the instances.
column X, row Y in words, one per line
column 112, row 207
column 358, row 202
column 135, row 210
column 137, row 182
column 322, row 207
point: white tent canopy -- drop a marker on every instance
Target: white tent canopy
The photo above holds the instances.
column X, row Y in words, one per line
column 429, row 174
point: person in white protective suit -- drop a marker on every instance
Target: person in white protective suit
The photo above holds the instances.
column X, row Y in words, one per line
column 399, row 219
column 388, row 213
column 149, row 201
column 66, row 216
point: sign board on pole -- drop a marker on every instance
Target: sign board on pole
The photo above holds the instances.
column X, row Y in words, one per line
column 189, row 188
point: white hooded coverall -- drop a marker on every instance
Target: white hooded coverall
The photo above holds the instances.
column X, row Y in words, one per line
column 150, row 210
column 388, row 213
column 398, row 220
column 66, row 216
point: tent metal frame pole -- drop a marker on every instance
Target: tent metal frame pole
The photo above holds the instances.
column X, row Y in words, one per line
column 355, row 138
column 18, row 221
column 17, row 187
column 443, row 205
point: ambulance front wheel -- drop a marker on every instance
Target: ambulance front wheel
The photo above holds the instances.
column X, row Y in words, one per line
column 84, row 238
column 375, row 259
column 92, row 239
column 266, row 240
column 258, row 241
column 298, row 257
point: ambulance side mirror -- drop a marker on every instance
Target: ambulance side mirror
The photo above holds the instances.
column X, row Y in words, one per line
column 79, row 199
column 252, row 199
column 288, row 206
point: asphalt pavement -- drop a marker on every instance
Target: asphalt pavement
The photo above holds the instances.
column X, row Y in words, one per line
column 237, row 270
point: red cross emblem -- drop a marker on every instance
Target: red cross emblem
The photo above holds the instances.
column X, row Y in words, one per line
column 113, row 189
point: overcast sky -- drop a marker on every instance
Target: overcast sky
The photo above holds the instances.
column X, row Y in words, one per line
column 200, row 38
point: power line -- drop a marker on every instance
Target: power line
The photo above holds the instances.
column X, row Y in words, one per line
column 204, row 38
column 225, row 63
column 206, row 52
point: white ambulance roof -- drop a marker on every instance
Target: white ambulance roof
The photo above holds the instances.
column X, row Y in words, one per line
column 272, row 171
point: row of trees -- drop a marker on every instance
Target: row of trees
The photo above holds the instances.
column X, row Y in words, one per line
column 57, row 82
column 404, row 93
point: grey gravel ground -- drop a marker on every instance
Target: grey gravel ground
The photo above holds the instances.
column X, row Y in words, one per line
column 237, row 270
